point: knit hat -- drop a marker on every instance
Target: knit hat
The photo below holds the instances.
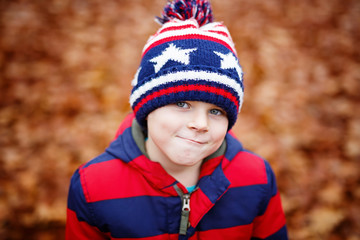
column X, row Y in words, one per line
column 190, row 58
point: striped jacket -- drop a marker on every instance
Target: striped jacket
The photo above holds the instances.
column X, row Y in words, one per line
column 121, row 194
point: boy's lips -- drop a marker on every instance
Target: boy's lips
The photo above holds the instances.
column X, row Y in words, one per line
column 198, row 141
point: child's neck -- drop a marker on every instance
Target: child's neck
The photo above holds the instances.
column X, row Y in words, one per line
column 186, row 175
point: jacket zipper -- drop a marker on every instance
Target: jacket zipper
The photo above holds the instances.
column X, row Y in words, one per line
column 185, row 212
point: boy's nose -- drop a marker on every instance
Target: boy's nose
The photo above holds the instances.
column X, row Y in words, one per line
column 199, row 122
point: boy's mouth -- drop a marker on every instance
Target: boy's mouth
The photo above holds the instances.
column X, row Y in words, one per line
column 197, row 141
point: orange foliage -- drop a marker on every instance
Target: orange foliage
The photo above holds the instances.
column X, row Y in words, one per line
column 66, row 68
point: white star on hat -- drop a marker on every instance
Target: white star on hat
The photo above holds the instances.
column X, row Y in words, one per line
column 174, row 53
column 135, row 80
column 229, row 61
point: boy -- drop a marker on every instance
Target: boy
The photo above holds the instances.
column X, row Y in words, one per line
column 173, row 170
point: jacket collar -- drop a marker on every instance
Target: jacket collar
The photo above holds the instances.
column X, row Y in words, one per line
column 129, row 147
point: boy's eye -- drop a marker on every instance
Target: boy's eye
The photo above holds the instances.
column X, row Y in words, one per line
column 216, row 112
column 182, row 104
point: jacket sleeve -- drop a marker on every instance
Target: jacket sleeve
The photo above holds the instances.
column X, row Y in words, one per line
column 79, row 224
column 271, row 224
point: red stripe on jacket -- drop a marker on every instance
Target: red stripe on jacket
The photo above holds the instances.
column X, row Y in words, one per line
column 271, row 221
column 243, row 174
column 239, row 233
column 96, row 186
column 79, row 230
column 125, row 124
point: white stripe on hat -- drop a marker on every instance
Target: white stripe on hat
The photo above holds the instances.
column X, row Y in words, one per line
column 206, row 32
column 188, row 75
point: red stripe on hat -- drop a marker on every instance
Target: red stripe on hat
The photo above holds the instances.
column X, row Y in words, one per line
column 219, row 32
column 172, row 28
column 190, row 36
column 186, row 88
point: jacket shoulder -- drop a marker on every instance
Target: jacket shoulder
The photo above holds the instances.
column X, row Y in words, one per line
column 113, row 178
column 243, row 167
column 99, row 177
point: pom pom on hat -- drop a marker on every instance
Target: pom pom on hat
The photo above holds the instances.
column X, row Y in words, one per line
column 190, row 58
column 187, row 9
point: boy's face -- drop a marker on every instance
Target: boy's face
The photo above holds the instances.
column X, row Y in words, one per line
column 184, row 133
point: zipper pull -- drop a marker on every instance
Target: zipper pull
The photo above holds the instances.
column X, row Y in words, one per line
column 185, row 212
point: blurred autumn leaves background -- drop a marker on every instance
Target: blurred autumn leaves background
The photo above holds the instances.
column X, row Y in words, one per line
column 66, row 67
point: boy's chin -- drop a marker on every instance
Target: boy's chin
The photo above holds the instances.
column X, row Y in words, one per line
column 187, row 161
